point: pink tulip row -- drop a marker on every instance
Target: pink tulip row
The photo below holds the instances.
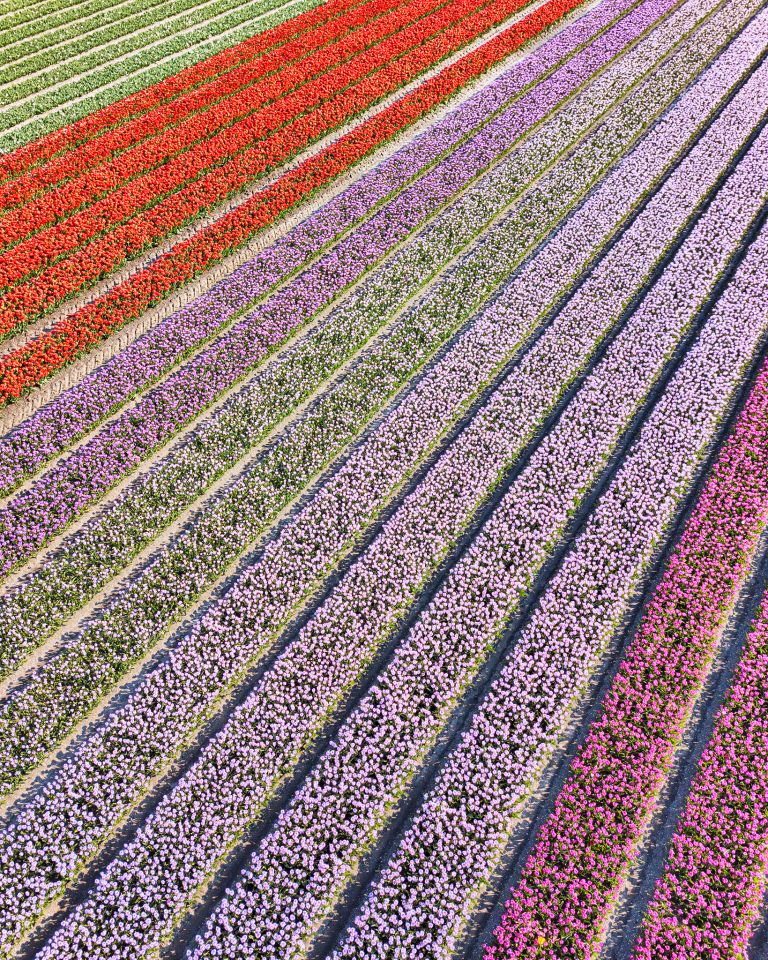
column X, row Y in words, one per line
column 289, row 705
column 570, row 883
column 425, row 895
column 311, row 543
column 712, row 888
column 34, row 717
column 174, row 695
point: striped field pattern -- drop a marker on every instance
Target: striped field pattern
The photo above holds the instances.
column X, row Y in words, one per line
column 384, row 480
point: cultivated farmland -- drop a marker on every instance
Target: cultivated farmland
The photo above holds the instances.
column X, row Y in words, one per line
column 383, row 480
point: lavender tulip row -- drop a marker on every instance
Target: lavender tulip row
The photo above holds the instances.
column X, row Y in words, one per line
column 295, row 878
column 427, row 891
column 347, row 630
column 584, row 851
column 35, row 717
column 53, row 429
column 73, row 485
column 57, row 590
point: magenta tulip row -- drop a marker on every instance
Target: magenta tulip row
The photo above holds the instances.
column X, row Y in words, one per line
column 712, row 888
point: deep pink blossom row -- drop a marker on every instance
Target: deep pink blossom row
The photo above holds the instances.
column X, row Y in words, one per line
column 712, row 888
column 570, row 883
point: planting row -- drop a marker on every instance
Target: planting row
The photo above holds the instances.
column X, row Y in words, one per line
column 23, row 36
column 24, row 160
column 28, row 365
column 28, row 68
column 125, row 151
column 287, row 127
column 35, row 109
column 134, row 435
column 570, row 883
column 81, row 676
column 230, row 129
column 711, row 893
column 424, row 897
column 55, row 427
column 66, row 581
column 268, row 593
column 293, row 882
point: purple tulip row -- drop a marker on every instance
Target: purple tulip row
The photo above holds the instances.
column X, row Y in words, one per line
column 51, row 430
column 570, row 883
column 425, row 895
column 290, row 704
column 712, row 888
column 35, row 716
column 90, row 560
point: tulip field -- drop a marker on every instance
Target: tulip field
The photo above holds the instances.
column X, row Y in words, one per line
column 384, row 479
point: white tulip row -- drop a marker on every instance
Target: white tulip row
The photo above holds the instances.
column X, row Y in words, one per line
column 158, row 57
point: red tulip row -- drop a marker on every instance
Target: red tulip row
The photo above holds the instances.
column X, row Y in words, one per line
column 236, row 154
column 75, row 168
column 19, row 162
column 23, row 368
column 212, row 132
column 39, row 293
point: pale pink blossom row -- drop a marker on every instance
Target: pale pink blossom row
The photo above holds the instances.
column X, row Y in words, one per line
column 426, row 893
column 571, row 881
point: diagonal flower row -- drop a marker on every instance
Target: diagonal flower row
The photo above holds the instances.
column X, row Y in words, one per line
column 570, row 883
column 59, row 496
column 711, row 891
column 27, row 366
column 53, row 428
column 85, row 669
